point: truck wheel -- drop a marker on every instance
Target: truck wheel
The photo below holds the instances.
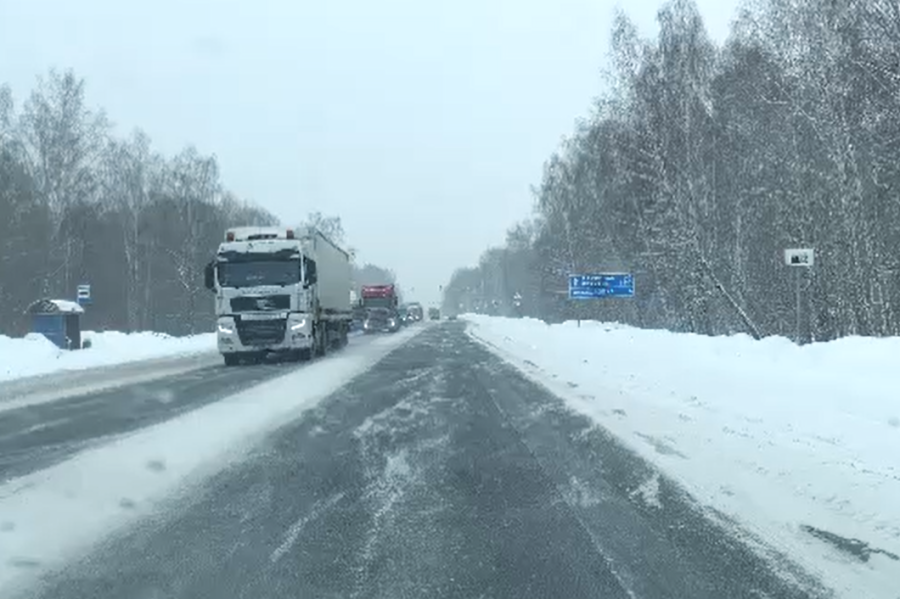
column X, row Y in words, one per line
column 299, row 355
column 321, row 341
column 339, row 340
column 232, row 359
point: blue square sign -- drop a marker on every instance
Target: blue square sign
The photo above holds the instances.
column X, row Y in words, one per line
column 593, row 286
column 83, row 294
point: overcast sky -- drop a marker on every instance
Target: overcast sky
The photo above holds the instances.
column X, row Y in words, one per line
column 421, row 124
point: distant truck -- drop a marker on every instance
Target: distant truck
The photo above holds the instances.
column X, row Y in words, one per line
column 279, row 291
column 379, row 296
column 434, row 314
column 382, row 308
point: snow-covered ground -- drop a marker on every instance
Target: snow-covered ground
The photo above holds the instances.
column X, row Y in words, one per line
column 55, row 514
column 776, row 436
column 35, row 355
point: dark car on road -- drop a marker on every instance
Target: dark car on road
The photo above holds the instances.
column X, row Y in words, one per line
column 408, row 314
column 415, row 312
column 381, row 320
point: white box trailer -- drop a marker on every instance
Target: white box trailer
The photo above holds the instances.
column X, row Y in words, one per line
column 333, row 269
column 279, row 290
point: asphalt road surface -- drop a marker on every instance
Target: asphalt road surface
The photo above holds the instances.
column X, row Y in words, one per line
column 441, row 472
column 38, row 434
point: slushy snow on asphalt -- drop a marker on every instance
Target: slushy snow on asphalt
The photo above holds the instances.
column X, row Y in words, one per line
column 799, row 445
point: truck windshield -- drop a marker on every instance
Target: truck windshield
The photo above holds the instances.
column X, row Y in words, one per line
column 379, row 302
column 250, row 274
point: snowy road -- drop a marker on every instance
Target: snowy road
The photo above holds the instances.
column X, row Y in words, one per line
column 36, row 434
column 47, row 418
column 440, row 472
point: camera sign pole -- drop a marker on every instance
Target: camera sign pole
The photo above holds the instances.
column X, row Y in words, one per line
column 799, row 258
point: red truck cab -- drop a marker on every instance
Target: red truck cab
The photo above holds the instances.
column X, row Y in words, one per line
column 379, row 296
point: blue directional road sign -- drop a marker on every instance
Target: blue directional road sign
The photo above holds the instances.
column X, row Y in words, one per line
column 594, row 286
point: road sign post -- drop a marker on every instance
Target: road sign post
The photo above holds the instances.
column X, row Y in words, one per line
column 600, row 285
column 798, row 259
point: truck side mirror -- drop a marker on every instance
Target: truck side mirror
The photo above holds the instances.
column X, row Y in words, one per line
column 311, row 276
column 209, row 276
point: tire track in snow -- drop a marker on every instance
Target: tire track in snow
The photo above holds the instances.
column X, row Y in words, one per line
column 390, row 443
column 293, row 533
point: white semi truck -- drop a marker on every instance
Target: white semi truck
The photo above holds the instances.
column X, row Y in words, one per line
column 281, row 291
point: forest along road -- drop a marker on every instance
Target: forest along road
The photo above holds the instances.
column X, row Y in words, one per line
column 44, row 420
column 440, row 472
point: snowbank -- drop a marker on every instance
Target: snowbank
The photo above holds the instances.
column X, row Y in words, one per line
column 56, row 514
column 780, row 437
column 35, row 355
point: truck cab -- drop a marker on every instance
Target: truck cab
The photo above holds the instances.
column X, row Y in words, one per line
column 382, row 308
column 270, row 296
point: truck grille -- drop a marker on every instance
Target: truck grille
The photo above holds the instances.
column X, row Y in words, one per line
column 261, row 332
column 260, row 304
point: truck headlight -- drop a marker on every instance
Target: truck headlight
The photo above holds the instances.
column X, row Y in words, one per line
column 225, row 329
column 298, row 324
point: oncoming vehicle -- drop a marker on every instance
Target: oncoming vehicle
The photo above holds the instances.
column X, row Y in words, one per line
column 415, row 312
column 381, row 320
column 279, row 291
column 379, row 296
column 404, row 315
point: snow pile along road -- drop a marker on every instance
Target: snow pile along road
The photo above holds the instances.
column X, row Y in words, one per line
column 35, row 355
column 799, row 444
column 54, row 515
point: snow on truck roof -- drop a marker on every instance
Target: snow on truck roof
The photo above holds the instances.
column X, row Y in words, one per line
column 257, row 233
column 278, row 233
